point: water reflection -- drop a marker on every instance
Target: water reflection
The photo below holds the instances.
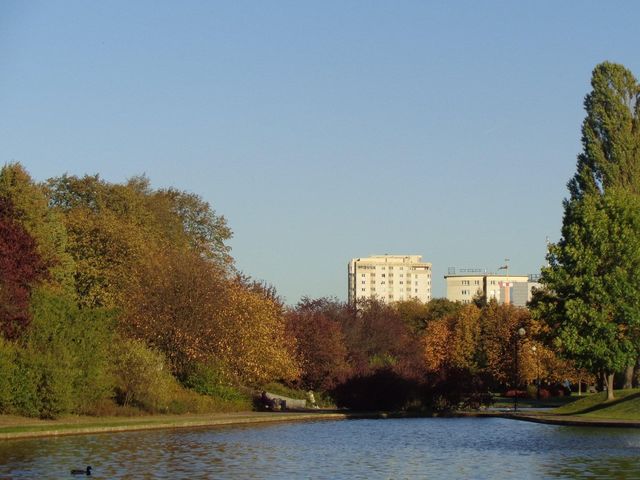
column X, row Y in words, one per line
column 408, row 448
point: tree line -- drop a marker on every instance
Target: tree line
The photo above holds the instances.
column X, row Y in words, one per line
column 119, row 296
column 114, row 296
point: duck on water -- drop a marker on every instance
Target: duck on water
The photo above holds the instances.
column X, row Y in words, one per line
column 81, row 472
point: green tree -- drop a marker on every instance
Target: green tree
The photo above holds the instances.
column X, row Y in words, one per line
column 206, row 231
column 595, row 305
column 592, row 291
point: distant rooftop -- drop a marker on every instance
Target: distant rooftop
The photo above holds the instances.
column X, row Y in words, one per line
column 482, row 272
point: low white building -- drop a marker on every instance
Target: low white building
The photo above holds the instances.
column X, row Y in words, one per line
column 389, row 278
column 466, row 284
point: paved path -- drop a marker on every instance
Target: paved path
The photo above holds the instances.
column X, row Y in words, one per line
column 19, row 427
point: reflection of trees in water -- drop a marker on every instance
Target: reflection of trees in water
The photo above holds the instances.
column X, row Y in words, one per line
column 407, row 448
column 595, row 466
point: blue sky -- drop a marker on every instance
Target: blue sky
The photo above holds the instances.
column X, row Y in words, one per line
column 321, row 131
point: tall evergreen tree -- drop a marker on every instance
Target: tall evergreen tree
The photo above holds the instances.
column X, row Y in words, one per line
column 592, row 299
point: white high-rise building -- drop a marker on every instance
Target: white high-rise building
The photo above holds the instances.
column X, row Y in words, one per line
column 389, row 278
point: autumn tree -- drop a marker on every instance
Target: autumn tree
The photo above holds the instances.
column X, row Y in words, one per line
column 592, row 296
column 417, row 314
column 452, row 342
column 108, row 236
column 320, row 342
column 206, row 231
column 499, row 340
column 377, row 337
column 188, row 309
column 114, row 229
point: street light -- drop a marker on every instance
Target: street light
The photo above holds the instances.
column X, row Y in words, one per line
column 521, row 333
column 535, row 352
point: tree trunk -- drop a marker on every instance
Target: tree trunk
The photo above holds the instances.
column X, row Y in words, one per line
column 579, row 388
column 609, row 382
column 628, row 376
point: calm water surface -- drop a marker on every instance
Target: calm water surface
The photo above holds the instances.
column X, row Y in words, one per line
column 389, row 449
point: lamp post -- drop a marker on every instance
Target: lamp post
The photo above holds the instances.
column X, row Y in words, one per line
column 521, row 333
column 535, row 352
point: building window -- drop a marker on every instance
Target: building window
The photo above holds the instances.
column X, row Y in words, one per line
column 363, row 289
column 364, row 274
column 364, row 281
column 383, row 274
column 477, row 282
column 465, row 282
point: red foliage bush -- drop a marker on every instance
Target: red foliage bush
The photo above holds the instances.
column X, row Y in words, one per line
column 544, row 394
column 512, row 393
column 20, row 268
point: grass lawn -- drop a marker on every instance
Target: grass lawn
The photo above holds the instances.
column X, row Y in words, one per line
column 625, row 406
column 16, row 424
column 505, row 402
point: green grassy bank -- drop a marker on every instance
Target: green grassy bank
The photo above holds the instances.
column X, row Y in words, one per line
column 12, row 427
column 625, row 406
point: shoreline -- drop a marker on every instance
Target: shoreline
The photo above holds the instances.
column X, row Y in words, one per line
column 551, row 419
column 575, row 421
column 15, row 428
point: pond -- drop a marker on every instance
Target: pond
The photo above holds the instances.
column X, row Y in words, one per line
column 393, row 448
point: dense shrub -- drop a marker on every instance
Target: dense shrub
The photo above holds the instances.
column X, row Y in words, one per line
column 24, row 392
column 40, row 385
column 512, row 393
column 142, row 377
column 455, row 386
column 7, row 374
column 74, row 343
column 188, row 401
column 208, row 379
column 381, row 390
